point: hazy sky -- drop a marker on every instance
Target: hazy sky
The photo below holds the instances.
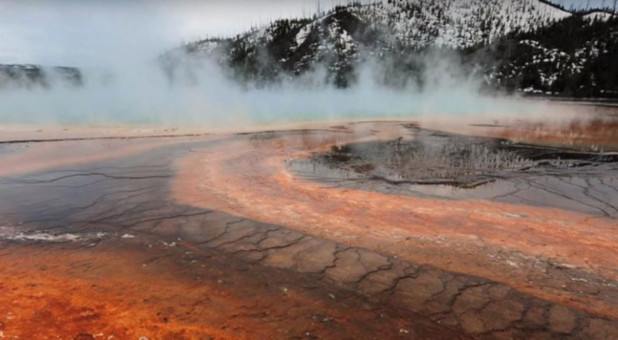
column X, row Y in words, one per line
column 584, row 3
column 90, row 32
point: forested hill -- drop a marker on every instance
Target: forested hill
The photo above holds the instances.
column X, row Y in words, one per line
column 519, row 45
column 35, row 76
column 577, row 57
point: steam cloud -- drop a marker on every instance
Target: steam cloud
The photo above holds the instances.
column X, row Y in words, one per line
column 134, row 91
column 142, row 94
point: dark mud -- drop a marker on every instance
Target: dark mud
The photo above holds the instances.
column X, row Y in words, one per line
column 121, row 204
column 434, row 164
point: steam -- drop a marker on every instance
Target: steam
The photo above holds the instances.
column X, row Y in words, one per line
column 122, row 86
column 136, row 91
column 141, row 93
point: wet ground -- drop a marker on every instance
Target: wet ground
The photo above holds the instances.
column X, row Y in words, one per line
column 101, row 251
column 433, row 164
column 215, row 237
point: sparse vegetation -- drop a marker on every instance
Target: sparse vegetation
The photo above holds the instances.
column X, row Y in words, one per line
column 530, row 46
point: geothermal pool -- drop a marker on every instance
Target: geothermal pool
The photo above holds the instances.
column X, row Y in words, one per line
column 364, row 230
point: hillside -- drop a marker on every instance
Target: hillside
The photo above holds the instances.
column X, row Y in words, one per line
column 33, row 76
column 506, row 42
column 573, row 57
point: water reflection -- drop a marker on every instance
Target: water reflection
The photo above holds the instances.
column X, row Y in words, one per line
column 430, row 163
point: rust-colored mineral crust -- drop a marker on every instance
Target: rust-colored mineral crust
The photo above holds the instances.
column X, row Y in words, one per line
column 226, row 237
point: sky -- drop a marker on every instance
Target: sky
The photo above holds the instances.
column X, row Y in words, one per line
column 83, row 32
column 585, row 3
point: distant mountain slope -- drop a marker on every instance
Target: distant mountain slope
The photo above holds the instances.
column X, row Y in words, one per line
column 32, row 76
column 457, row 23
column 398, row 34
column 577, row 56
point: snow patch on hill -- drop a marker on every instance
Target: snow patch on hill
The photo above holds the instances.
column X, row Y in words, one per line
column 457, row 23
column 598, row 16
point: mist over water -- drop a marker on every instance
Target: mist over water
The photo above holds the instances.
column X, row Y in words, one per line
column 204, row 97
column 114, row 44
